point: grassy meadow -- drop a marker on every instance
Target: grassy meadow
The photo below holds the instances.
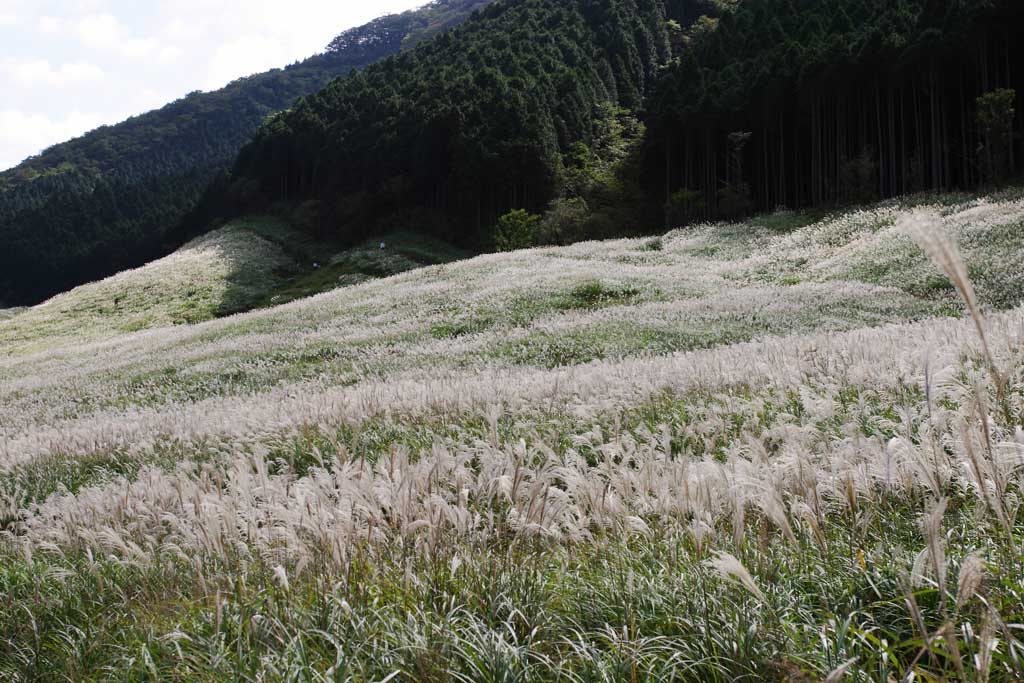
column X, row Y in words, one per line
column 788, row 450
column 248, row 264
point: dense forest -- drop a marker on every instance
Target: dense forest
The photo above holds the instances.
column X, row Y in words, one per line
column 588, row 118
column 114, row 197
column 810, row 102
column 456, row 133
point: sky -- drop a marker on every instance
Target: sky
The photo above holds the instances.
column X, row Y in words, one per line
column 68, row 66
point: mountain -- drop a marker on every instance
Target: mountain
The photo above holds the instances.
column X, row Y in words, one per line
column 107, row 200
column 614, row 117
column 453, row 134
column 594, row 118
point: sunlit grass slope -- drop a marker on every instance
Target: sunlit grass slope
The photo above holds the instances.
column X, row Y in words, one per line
column 226, row 270
column 249, row 264
column 766, row 451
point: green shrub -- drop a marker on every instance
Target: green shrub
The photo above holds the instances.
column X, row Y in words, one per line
column 517, row 229
column 453, row 329
column 858, row 177
column 564, row 222
column 595, row 293
column 734, row 201
column 309, row 217
column 684, row 206
column 996, row 114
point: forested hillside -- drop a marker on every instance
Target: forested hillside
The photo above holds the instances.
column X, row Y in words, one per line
column 810, row 102
column 611, row 117
column 105, row 201
column 466, row 127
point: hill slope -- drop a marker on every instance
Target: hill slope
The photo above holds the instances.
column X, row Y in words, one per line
column 250, row 263
column 526, row 451
column 610, row 116
column 227, row 269
column 108, row 200
column 462, row 129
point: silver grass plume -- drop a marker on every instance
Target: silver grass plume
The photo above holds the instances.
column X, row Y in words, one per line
column 972, row 573
column 840, row 671
column 728, row 567
column 931, row 528
column 926, row 228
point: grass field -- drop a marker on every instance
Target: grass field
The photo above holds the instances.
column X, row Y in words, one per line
column 777, row 451
column 252, row 263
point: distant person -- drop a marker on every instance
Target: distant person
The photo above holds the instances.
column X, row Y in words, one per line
column 382, row 246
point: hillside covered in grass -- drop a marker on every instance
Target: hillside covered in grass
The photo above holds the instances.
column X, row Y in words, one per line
column 773, row 450
column 251, row 263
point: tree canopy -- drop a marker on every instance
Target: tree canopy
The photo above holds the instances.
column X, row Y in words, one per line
column 465, row 127
column 747, row 105
column 842, row 99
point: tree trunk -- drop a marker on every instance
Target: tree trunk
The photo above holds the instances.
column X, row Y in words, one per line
column 878, row 119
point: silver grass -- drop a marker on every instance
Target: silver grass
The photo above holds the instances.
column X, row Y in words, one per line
column 928, row 230
column 931, row 528
column 972, row 573
column 469, row 487
column 987, row 644
column 840, row 671
column 952, row 640
column 728, row 567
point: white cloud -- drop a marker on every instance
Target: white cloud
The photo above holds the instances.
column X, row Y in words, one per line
column 89, row 5
column 244, row 56
column 50, row 25
column 168, row 54
column 139, row 47
column 36, row 72
column 23, row 134
column 102, row 31
column 79, row 72
column 106, row 32
column 256, row 35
